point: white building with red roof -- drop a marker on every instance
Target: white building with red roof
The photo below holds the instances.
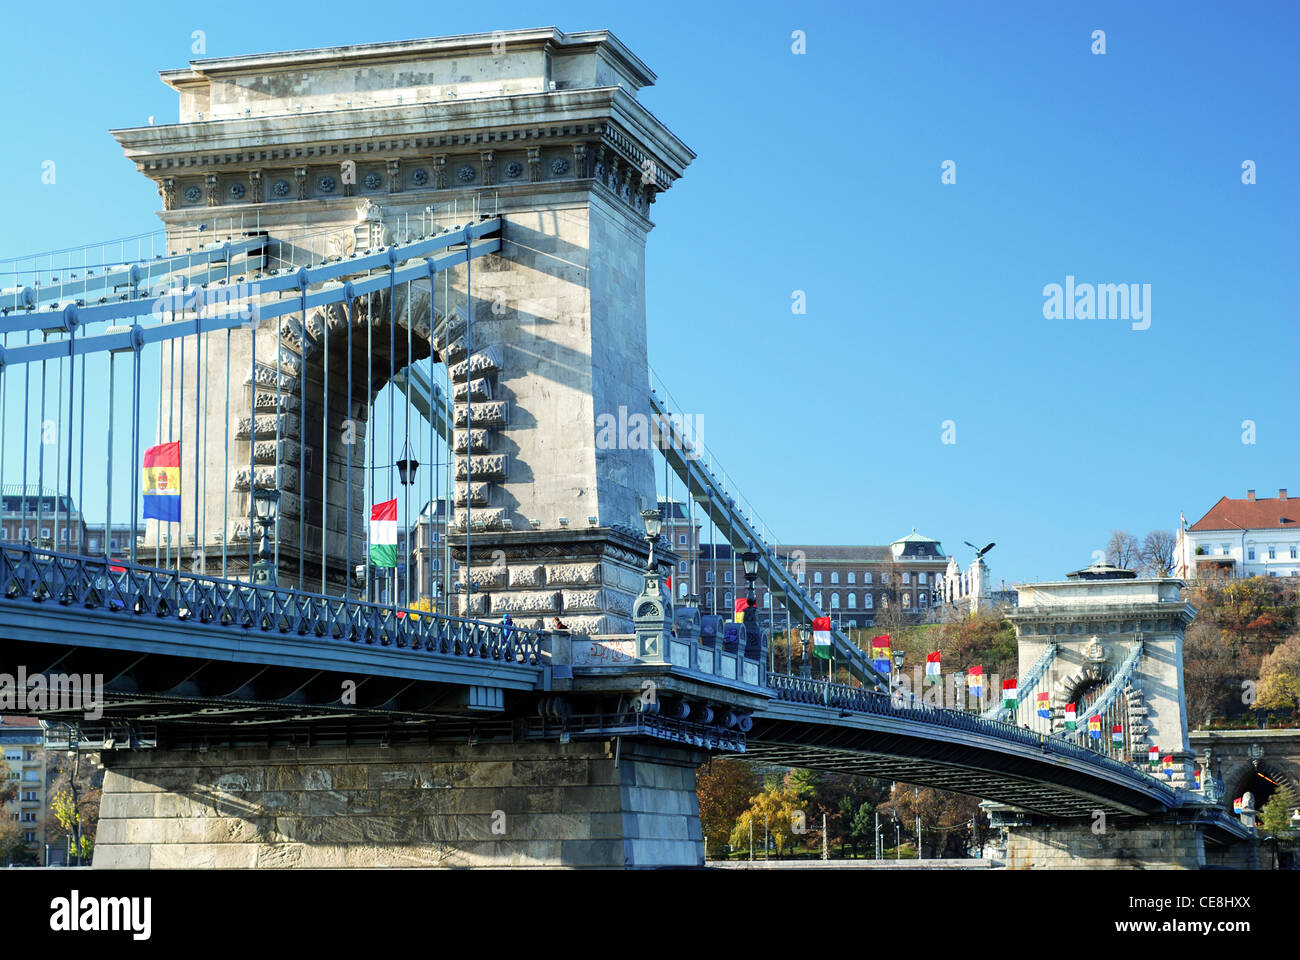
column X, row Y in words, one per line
column 1254, row 537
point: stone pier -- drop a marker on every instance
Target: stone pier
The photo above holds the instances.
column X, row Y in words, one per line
column 581, row 804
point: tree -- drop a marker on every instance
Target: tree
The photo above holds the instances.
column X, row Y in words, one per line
column 1276, row 815
column 1122, row 550
column 724, row 789
column 945, row 818
column 773, row 812
column 1157, row 553
column 1279, row 677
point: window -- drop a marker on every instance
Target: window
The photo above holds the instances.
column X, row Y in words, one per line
column 31, row 775
column 853, row 577
column 708, row 576
column 1272, row 553
column 730, row 600
column 1250, row 553
column 112, row 544
column 30, row 795
column 682, row 588
column 29, row 836
column 1223, row 549
column 817, row 600
column 683, row 567
column 817, row 577
column 852, row 601
column 29, row 754
column 4, row 533
column 1293, row 551
column 681, row 539
column 907, row 600
column 922, row 597
column 29, row 818
column 884, row 578
column 835, row 601
column 93, row 543
column 726, row 576
column 767, row 601
column 63, row 534
column 45, row 533
column 866, row 577
column 802, row 579
column 920, row 578
column 835, row 576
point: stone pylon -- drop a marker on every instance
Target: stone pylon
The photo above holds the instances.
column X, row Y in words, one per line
column 373, row 145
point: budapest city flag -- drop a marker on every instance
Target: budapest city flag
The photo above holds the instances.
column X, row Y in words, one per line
column 1044, row 704
column 1117, row 734
column 1153, row 757
column 932, row 670
column 1009, row 694
column 880, row 653
column 822, row 637
column 975, row 678
column 162, row 482
column 1094, row 727
column 1071, row 716
column 1169, row 765
column 383, row 534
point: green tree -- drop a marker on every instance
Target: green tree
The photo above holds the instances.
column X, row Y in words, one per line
column 1276, row 815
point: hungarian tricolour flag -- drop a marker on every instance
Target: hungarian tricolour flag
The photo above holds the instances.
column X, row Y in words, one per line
column 1117, row 734
column 822, row 637
column 1071, row 716
column 975, row 677
column 1153, row 757
column 1009, row 693
column 880, row 653
column 1094, row 727
column 1044, row 704
column 162, row 482
column 383, row 534
column 932, row 672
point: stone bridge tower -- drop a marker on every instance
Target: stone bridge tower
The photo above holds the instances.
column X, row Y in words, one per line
column 337, row 150
column 1094, row 618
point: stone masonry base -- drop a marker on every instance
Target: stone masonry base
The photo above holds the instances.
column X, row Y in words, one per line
column 1147, row 845
column 486, row 805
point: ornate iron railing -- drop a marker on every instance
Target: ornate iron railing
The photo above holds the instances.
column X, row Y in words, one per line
column 1028, row 683
column 29, row 575
column 842, row 697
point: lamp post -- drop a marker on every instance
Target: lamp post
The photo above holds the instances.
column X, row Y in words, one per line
column 899, row 657
column 753, row 633
column 266, row 509
column 406, row 468
column 654, row 524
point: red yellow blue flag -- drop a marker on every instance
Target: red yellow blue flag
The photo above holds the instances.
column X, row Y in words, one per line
column 162, row 482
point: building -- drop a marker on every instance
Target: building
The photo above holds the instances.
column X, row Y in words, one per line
column 118, row 536
column 40, row 516
column 1252, row 537
column 23, row 742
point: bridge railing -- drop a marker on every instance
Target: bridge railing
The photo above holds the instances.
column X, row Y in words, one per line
column 842, row 697
column 30, row 575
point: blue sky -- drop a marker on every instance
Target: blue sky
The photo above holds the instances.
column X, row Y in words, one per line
column 820, row 173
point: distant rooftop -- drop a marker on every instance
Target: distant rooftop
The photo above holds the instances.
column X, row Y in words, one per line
column 1252, row 513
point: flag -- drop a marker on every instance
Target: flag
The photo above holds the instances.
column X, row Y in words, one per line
column 932, row 671
column 383, row 534
column 822, row 637
column 668, row 582
column 1009, row 694
column 1044, row 704
column 1094, row 727
column 1117, row 734
column 1153, row 756
column 742, row 604
column 975, row 677
column 1169, row 765
column 1236, row 805
column 1197, row 772
column 162, row 482
column 1071, row 716
column 880, row 657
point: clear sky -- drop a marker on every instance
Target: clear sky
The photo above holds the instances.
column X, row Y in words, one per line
column 821, row 172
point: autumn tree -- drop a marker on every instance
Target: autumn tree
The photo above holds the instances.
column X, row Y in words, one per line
column 945, row 818
column 1279, row 677
column 773, row 812
column 724, row 789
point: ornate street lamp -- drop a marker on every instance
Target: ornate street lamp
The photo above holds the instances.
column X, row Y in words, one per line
column 406, row 468
column 654, row 524
column 266, row 508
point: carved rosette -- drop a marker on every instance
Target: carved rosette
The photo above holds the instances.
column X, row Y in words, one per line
column 168, row 190
column 394, row 176
column 440, row 171
column 255, row 186
column 210, row 183
column 534, row 164
column 489, row 167
column 300, row 176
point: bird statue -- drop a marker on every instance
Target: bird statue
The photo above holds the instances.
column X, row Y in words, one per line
column 979, row 553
